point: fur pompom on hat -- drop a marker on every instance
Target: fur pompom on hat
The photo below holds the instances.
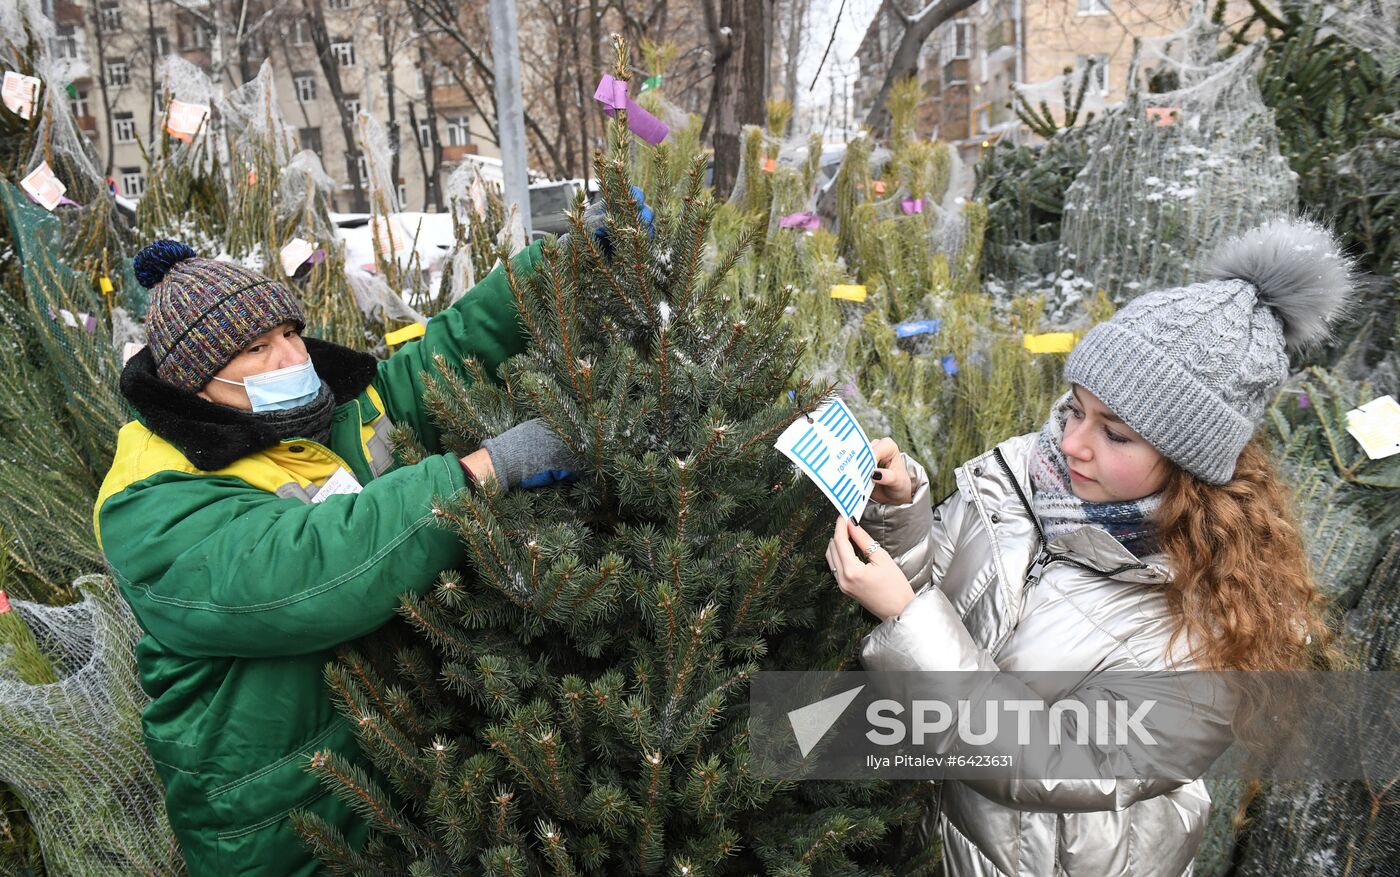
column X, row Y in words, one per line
column 1191, row 369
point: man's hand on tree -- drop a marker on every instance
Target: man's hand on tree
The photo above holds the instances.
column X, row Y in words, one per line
column 595, row 218
column 528, row 455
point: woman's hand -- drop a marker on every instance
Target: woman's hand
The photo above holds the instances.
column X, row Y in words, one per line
column 893, row 486
column 876, row 583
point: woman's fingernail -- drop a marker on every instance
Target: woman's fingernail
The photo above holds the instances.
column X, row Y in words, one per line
column 877, row 476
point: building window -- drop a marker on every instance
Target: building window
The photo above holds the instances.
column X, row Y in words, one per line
column 160, row 41
column 403, row 193
column 343, row 52
column 305, row 86
column 193, row 35
column 1098, row 77
column 459, row 131
column 118, row 73
column 64, row 42
column 1093, row 7
column 425, row 134
column 133, row 182
column 957, row 41
column 124, row 127
column 78, row 103
column 300, row 36
column 362, row 168
column 109, row 17
column 338, row 4
column 352, row 105
column 982, row 120
column 310, row 138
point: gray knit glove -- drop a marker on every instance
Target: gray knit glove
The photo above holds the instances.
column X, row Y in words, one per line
column 529, row 455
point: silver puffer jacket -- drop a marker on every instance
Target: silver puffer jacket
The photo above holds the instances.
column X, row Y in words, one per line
column 991, row 596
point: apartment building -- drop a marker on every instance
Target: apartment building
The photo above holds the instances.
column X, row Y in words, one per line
column 968, row 65
column 113, row 50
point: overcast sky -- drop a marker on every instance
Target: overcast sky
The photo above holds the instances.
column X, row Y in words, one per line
column 817, row 104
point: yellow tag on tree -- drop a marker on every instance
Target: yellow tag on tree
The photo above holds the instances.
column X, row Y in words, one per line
column 407, row 333
column 1050, row 342
column 105, row 284
column 848, row 291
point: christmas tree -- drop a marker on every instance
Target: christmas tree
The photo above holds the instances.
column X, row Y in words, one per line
column 574, row 700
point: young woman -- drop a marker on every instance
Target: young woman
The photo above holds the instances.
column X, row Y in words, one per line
column 1141, row 529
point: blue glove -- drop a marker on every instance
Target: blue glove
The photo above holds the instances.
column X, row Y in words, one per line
column 596, row 214
column 548, row 477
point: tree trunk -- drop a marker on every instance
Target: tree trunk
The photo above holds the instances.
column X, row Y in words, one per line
column 151, row 62
column 101, row 75
column 740, row 38
column 905, row 62
column 386, row 37
column 330, row 67
column 797, row 26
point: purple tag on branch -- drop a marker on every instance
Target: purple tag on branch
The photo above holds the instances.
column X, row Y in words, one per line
column 318, row 256
column 612, row 94
column 911, row 206
column 950, row 364
column 89, row 322
column 804, row 221
column 1304, row 401
column 69, row 201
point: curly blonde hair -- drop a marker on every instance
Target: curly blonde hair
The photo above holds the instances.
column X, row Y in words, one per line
column 1242, row 590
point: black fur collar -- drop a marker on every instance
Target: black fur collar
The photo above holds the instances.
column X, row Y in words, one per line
column 212, row 436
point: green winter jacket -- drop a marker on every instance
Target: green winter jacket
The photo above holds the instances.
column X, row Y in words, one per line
column 243, row 585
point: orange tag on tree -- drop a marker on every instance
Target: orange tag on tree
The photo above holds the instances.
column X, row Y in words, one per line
column 770, row 165
column 879, row 187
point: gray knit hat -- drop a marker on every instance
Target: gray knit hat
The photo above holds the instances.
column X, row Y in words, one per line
column 204, row 312
column 1191, row 369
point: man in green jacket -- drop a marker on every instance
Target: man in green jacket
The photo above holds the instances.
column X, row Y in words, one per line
column 255, row 518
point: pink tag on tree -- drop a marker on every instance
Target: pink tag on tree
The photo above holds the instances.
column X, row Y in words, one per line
column 612, row 94
column 910, row 206
column 4, row 603
column 804, row 221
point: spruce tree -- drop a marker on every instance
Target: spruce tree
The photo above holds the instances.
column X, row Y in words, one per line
column 574, row 699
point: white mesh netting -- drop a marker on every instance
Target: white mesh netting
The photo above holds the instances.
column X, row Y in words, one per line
column 73, row 748
column 185, row 82
column 1174, row 171
column 253, row 120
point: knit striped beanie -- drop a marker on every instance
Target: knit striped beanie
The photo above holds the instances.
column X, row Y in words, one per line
column 203, row 313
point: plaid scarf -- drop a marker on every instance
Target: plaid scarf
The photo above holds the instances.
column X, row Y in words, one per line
column 1060, row 511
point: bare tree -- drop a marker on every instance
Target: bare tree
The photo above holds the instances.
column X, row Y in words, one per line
column 330, row 68
column 740, row 34
column 904, row 63
column 99, row 37
column 233, row 27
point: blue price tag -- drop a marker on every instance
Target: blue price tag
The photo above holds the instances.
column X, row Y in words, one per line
column 917, row 327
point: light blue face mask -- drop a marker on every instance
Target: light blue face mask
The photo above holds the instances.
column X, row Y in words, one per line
column 280, row 389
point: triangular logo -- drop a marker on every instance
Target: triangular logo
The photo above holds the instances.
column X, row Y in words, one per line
column 810, row 723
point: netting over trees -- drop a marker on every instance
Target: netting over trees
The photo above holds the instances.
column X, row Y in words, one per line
column 1190, row 159
column 70, row 716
